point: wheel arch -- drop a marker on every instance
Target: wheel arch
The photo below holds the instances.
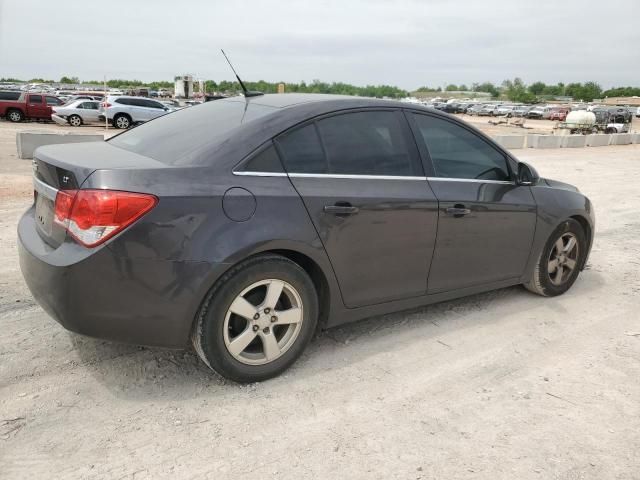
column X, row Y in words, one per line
column 588, row 232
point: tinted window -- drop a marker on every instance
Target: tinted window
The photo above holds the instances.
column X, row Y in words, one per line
column 35, row 98
column 184, row 136
column 123, row 101
column 458, row 153
column 152, row 104
column 9, row 95
column 266, row 160
column 302, row 151
column 53, row 101
column 367, row 143
column 137, row 102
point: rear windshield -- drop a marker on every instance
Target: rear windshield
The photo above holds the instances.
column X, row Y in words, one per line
column 181, row 137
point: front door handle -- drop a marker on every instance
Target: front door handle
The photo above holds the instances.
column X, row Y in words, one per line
column 341, row 209
column 458, row 211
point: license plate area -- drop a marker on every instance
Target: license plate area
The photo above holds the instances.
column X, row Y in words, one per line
column 44, row 214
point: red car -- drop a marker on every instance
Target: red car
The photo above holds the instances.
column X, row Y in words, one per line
column 20, row 106
column 559, row 114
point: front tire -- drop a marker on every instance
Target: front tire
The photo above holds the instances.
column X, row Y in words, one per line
column 257, row 320
column 560, row 261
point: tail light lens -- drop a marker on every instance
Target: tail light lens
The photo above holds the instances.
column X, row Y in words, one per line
column 93, row 216
column 106, row 104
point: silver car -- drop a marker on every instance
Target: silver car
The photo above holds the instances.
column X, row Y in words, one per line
column 125, row 111
column 76, row 113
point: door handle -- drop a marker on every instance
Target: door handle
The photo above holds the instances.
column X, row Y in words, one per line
column 458, row 211
column 341, row 209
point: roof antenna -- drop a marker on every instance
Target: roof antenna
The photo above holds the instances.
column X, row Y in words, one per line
column 247, row 93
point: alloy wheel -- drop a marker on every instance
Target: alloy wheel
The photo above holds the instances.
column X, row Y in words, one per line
column 75, row 121
column 14, row 116
column 263, row 322
column 122, row 122
column 563, row 258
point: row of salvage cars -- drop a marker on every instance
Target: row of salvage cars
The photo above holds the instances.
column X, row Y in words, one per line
column 119, row 111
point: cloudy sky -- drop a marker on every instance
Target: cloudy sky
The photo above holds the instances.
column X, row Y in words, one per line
column 404, row 43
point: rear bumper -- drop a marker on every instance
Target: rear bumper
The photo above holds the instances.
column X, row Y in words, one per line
column 100, row 294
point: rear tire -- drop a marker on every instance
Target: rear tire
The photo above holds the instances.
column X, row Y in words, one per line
column 122, row 120
column 257, row 320
column 560, row 261
column 75, row 120
column 15, row 116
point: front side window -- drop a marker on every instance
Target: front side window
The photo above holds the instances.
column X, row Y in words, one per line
column 53, row 101
column 458, row 153
column 35, row 98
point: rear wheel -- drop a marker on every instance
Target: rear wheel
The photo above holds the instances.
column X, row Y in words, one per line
column 15, row 116
column 257, row 320
column 122, row 121
column 75, row 120
column 560, row 261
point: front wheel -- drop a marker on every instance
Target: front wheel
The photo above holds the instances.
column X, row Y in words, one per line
column 560, row 261
column 257, row 320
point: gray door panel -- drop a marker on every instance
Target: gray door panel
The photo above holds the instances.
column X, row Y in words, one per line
column 490, row 243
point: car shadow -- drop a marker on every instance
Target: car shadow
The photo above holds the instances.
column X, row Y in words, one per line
column 145, row 373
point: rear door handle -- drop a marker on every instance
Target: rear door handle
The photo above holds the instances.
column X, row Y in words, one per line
column 458, row 211
column 341, row 208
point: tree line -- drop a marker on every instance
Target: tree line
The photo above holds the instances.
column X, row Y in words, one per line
column 515, row 90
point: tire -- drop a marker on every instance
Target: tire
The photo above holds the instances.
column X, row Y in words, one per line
column 246, row 288
column 15, row 116
column 548, row 281
column 75, row 120
column 122, row 120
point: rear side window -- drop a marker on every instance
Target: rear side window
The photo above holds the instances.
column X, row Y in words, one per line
column 9, row 95
column 35, row 98
column 53, row 101
column 368, row 143
column 458, row 153
column 302, row 151
column 266, row 160
column 123, row 101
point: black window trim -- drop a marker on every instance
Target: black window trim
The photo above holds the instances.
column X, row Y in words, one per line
column 426, row 157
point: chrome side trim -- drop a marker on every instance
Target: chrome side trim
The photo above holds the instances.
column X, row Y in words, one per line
column 472, row 180
column 260, row 174
column 355, row 177
column 45, row 190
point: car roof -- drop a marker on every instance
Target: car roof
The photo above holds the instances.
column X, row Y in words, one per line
column 284, row 100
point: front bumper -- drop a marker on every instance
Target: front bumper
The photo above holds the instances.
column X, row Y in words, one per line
column 58, row 119
column 97, row 293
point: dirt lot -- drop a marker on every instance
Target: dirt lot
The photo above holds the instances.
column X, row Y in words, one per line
column 504, row 385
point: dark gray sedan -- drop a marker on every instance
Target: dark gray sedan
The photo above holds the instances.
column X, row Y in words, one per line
column 243, row 225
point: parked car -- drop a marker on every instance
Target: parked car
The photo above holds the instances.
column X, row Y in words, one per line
column 521, row 110
column 36, row 106
column 463, row 107
column 243, row 238
column 76, row 113
column 487, row 110
column 504, row 110
column 124, row 112
column 539, row 112
column 559, row 114
column 475, row 109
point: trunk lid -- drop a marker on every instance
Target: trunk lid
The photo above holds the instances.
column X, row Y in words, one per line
column 66, row 167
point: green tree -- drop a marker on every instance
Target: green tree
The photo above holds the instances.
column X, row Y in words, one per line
column 537, row 88
column 72, row 80
column 451, row 88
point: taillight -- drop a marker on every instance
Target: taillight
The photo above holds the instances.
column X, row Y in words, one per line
column 93, row 216
column 106, row 104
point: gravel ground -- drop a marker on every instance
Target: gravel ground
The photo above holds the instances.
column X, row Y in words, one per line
column 503, row 385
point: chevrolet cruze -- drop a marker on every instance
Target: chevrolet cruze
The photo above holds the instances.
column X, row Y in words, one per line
column 243, row 225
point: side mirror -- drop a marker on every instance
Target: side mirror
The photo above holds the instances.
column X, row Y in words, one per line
column 527, row 175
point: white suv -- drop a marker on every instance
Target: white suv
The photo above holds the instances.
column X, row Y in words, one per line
column 123, row 112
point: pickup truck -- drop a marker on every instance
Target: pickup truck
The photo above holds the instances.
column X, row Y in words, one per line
column 18, row 106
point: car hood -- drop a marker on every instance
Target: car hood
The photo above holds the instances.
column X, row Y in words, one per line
column 557, row 184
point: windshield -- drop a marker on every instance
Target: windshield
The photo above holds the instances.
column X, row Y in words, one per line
column 180, row 137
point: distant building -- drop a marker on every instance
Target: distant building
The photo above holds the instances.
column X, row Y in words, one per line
column 622, row 101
